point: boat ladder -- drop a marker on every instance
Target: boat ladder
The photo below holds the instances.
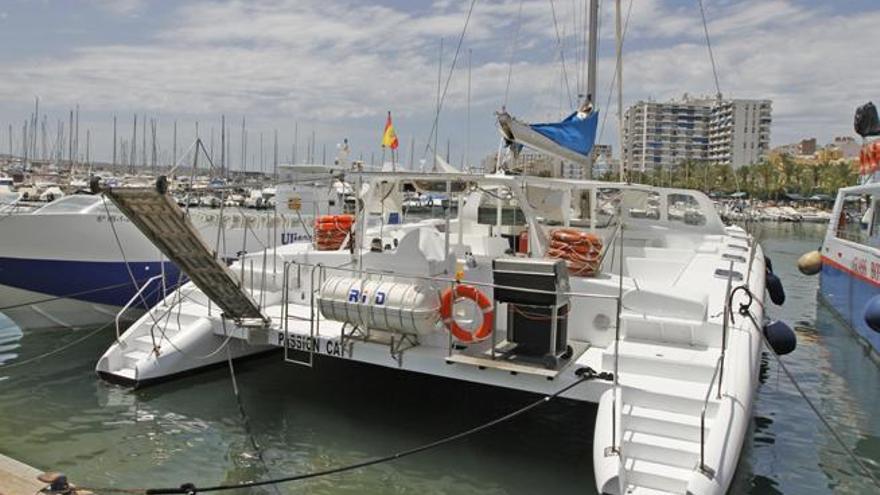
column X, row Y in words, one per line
column 157, row 215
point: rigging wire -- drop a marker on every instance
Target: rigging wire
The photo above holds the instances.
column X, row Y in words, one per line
column 614, row 76
column 513, row 51
column 449, row 78
column 561, row 52
column 709, row 47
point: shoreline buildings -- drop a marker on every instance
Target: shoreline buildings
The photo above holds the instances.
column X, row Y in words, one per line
column 733, row 132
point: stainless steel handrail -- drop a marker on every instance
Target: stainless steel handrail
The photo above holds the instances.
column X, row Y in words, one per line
column 725, row 324
column 131, row 301
column 706, row 470
column 717, row 372
column 448, row 280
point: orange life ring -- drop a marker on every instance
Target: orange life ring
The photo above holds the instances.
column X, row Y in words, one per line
column 474, row 294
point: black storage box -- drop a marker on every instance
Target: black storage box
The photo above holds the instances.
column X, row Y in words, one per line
column 529, row 327
column 528, row 275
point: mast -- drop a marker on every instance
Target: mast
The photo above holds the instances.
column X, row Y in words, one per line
column 113, row 166
column 222, row 146
column 467, row 142
column 295, row 140
column 243, row 146
column 153, row 157
column 275, row 159
column 70, row 140
column 437, row 115
column 144, row 142
column 34, row 133
column 134, row 134
column 76, row 139
column 593, row 53
column 174, row 146
column 619, row 36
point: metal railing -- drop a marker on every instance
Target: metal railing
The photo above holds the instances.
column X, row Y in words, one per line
column 717, row 372
column 137, row 296
column 706, row 470
column 314, row 316
column 615, row 448
column 725, row 326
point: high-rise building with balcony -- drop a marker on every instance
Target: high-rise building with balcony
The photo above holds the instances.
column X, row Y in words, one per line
column 730, row 132
column 739, row 132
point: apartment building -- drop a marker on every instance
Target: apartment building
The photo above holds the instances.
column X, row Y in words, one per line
column 665, row 134
column 739, row 132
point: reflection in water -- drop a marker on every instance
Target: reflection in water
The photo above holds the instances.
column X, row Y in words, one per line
column 57, row 414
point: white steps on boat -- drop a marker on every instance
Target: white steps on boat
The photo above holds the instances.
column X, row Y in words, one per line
column 663, row 388
column 646, row 477
column 664, row 361
column 662, row 449
column 677, row 425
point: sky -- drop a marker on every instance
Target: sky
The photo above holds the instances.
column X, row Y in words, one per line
column 336, row 67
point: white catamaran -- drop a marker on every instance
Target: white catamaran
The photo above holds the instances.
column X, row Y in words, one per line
column 522, row 283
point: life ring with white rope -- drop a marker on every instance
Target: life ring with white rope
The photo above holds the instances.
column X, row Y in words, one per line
column 481, row 300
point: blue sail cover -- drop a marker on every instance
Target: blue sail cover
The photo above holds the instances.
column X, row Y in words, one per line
column 574, row 133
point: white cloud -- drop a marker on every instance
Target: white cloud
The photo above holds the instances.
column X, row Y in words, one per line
column 121, row 7
column 340, row 65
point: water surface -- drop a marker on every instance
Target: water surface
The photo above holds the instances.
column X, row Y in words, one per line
column 56, row 414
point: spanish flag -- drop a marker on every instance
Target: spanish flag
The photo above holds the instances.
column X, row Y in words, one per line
column 389, row 138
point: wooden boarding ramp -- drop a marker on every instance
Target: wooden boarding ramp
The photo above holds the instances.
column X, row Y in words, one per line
column 165, row 224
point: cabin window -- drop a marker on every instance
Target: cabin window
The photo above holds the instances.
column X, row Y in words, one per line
column 511, row 214
column 684, row 208
column 70, row 204
column 642, row 204
column 856, row 219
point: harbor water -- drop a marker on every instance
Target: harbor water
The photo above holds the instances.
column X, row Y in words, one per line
column 56, row 414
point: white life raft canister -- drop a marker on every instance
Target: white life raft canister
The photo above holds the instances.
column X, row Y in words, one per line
column 406, row 307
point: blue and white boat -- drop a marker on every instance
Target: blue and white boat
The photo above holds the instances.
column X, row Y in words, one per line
column 78, row 261
column 850, row 275
column 850, row 253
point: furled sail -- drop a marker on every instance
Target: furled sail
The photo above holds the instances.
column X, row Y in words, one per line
column 570, row 140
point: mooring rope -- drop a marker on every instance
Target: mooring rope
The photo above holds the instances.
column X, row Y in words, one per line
column 744, row 310
column 584, row 374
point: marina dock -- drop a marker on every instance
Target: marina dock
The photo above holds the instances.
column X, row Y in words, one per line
column 17, row 478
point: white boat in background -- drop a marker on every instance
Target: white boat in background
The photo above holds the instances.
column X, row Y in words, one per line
column 77, row 261
column 8, row 195
column 533, row 285
column 811, row 214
